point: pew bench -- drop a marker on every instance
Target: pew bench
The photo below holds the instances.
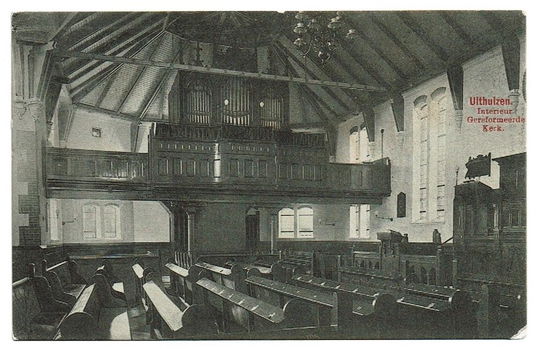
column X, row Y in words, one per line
column 238, row 312
column 30, row 320
column 319, row 306
column 64, row 277
column 232, row 278
column 168, row 321
column 89, row 320
column 178, row 283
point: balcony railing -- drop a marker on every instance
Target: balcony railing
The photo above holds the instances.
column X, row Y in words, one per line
column 236, row 161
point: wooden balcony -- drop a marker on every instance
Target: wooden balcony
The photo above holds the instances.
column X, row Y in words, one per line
column 224, row 162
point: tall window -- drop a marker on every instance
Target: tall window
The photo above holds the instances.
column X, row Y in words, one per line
column 101, row 222
column 359, row 146
column 359, row 221
column 286, row 223
column 89, row 221
column 111, row 223
column 52, row 206
column 306, row 222
column 430, row 157
column 296, row 222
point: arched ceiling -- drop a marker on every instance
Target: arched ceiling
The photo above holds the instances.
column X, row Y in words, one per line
column 393, row 51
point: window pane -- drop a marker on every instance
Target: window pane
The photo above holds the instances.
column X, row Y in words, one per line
column 286, row 223
column 89, row 222
column 354, row 221
column 110, row 222
column 306, row 222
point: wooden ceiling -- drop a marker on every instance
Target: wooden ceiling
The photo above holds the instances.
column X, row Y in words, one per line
column 393, row 51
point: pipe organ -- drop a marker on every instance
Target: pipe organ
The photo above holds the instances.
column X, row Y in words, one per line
column 204, row 99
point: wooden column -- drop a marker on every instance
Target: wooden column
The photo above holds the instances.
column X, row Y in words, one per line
column 273, row 217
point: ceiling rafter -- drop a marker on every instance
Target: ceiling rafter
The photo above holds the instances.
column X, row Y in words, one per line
column 210, row 70
column 73, row 27
column 321, row 73
column 64, row 27
column 350, row 22
column 423, row 35
column 309, row 72
column 385, row 30
column 139, row 75
column 496, row 24
column 83, row 89
column 122, row 38
column 113, row 114
column 460, row 32
column 355, row 55
column 328, row 122
column 85, row 42
column 118, row 51
column 296, row 71
column 164, row 78
column 106, row 89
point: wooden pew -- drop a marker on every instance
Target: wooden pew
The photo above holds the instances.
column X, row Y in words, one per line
column 31, row 321
column 67, row 296
column 64, row 278
column 178, row 282
column 361, row 310
column 253, row 269
column 233, row 278
column 427, row 311
column 283, row 271
column 110, row 295
column 238, row 312
column 319, row 305
column 89, row 320
column 169, row 322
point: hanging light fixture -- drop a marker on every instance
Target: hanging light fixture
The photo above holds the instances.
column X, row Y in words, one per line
column 316, row 34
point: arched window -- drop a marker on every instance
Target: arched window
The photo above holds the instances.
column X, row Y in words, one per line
column 430, row 123
column 90, row 221
column 359, row 146
column 286, row 223
column 111, row 221
column 296, row 222
column 306, row 222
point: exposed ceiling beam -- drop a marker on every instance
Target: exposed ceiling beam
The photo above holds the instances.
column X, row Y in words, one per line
column 350, row 22
column 308, row 72
column 320, row 97
column 162, row 81
column 416, row 61
column 138, row 76
column 317, row 72
column 357, row 56
column 460, row 32
column 210, row 70
column 423, row 35
column 123, row 37
column 106, row 89
column 108, row 112
column 83, row 89
column 64, row 26
column 82, row 43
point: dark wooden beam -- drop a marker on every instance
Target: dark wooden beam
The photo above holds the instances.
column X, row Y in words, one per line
column 138, row 76
column 101, row 33
column 350, row 22
column 423, row 35
column 369, row 121
column 357, row 56
column 397, row 106
column 83, row 67
column 83, row 89
column 511, row 51
column 106, row 89
column 164, row 78
column 460, row 32
column 209, row 70
column 455, row 82
column 308, row 72
column 406, row 51
column 108, row 112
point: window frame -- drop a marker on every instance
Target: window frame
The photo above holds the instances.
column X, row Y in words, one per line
column 295, row 213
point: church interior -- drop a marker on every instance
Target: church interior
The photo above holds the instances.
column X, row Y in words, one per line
column 268, row 175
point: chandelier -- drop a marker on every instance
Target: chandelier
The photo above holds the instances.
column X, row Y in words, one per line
column 319, row 35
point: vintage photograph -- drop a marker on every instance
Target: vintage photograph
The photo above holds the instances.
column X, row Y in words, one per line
column 268, row 175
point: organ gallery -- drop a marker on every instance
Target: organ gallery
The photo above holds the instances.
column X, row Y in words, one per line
column 266, row 175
